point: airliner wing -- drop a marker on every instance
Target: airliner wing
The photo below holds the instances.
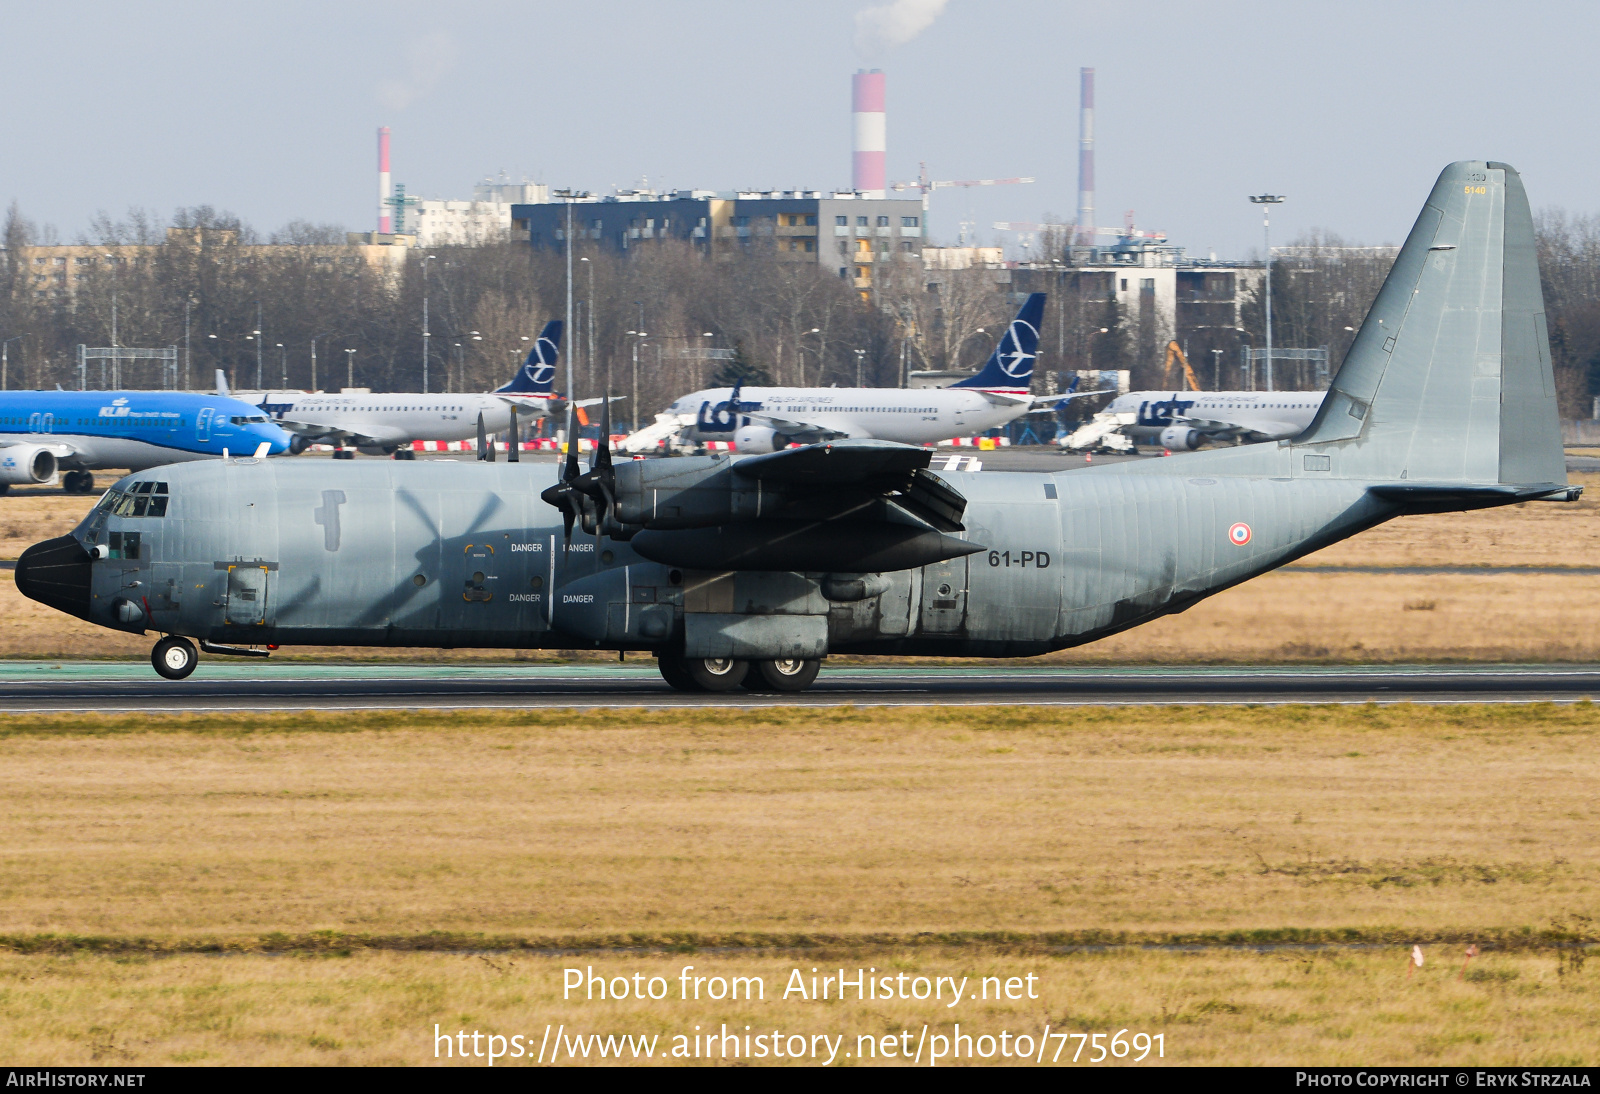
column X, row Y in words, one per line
column 1061, row 397
column 798, row 431
column 313, row 428
column 58, row 449
column 1216, row 428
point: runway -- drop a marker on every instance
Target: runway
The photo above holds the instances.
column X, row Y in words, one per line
column 40, row 687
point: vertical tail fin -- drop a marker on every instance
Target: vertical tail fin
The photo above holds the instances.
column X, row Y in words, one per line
column 538, row 373
column 1449, row 378
column 1010, row 366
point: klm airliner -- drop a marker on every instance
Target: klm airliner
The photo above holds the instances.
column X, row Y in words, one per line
column 45, row 433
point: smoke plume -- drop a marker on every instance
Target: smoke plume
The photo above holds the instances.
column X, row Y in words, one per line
column 883, row 26
column 428, row 60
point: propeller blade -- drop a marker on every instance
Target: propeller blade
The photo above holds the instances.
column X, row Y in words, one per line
column 515, row 453
column 603, row 450
column 481, row 437
column 571, row 472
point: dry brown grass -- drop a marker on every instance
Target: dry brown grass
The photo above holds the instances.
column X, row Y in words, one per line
column 1302, row 1008
column 1157, row 821
column 811, row 835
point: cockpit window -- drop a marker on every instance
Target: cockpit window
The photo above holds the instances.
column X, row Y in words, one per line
column 142, row 499
column 248, row 419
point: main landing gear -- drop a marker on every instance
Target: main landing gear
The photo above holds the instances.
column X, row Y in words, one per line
column 725, row 674
column 174, row 657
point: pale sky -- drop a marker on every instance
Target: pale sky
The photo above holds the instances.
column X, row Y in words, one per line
column 269, row 109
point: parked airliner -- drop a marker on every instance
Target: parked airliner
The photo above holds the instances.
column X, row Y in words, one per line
column 766, row 419
column 383, row 424
column 1183, row 419
column 44, row 433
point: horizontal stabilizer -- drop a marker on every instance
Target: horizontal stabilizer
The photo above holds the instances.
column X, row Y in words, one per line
column 1453, row 496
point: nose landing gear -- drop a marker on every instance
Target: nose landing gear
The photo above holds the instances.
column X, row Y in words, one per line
column 174, row 657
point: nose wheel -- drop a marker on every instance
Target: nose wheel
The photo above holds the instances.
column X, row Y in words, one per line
column 174, row 657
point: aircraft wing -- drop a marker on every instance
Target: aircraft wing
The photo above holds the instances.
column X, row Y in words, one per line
column 1062, row 397
column 803, row 432
column 873, row 468
column 58, row 449
column 1220, row 428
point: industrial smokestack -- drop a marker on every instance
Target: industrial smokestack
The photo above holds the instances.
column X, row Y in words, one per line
column 385, row 221
column 1086, row 156
column 868, row 175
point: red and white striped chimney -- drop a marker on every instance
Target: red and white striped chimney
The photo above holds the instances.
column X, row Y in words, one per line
column 869, row 177
column 1086, row 212
column 385, row 214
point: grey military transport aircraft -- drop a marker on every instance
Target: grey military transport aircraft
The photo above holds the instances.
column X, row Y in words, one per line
column 751, row 570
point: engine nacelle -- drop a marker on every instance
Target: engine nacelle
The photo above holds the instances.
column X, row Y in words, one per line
column 27, row 465
column 1180, row 436
column 756, row 439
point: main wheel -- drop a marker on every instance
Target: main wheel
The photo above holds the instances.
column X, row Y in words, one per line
column 343, row 454
column 716, row 673
column 784, row 674
column 675, row 673
column 174, row 657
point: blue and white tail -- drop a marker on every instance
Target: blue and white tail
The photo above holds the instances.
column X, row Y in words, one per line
column 537, row 375
column 1010, row 367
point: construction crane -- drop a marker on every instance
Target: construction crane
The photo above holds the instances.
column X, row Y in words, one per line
column 1175, row 353
column 927, row 187
column 1128, row 231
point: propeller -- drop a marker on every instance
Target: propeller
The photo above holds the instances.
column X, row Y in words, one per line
column 564, row 495
column 514, row 454
column 600, row 482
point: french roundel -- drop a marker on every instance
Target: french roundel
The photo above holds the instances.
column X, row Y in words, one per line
column 1239, row 534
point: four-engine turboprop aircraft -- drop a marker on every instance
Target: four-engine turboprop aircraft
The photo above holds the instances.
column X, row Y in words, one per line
column 751, row 570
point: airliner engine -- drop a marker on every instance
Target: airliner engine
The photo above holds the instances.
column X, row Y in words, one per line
column 758, row 439
column 1179, row 436
column 27, row 465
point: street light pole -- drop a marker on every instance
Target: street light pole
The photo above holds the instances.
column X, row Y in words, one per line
column 257, row 334
column 590, row 325
column 425, row 333
column 5, row 383
column 569, row 196
column 1267, row 201
column 314, row 337
column 283, row 367
column 349, row 368
column 634, row 407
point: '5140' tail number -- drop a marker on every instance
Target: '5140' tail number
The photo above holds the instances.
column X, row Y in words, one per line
column 1039, row 560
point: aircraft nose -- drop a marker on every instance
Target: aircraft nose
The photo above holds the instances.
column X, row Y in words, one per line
column 56, row 574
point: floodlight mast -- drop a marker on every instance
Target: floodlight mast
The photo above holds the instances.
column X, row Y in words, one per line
column 569, row 196
column 1267, row 201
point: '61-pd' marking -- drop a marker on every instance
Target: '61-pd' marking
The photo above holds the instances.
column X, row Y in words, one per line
column 1039, row 560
